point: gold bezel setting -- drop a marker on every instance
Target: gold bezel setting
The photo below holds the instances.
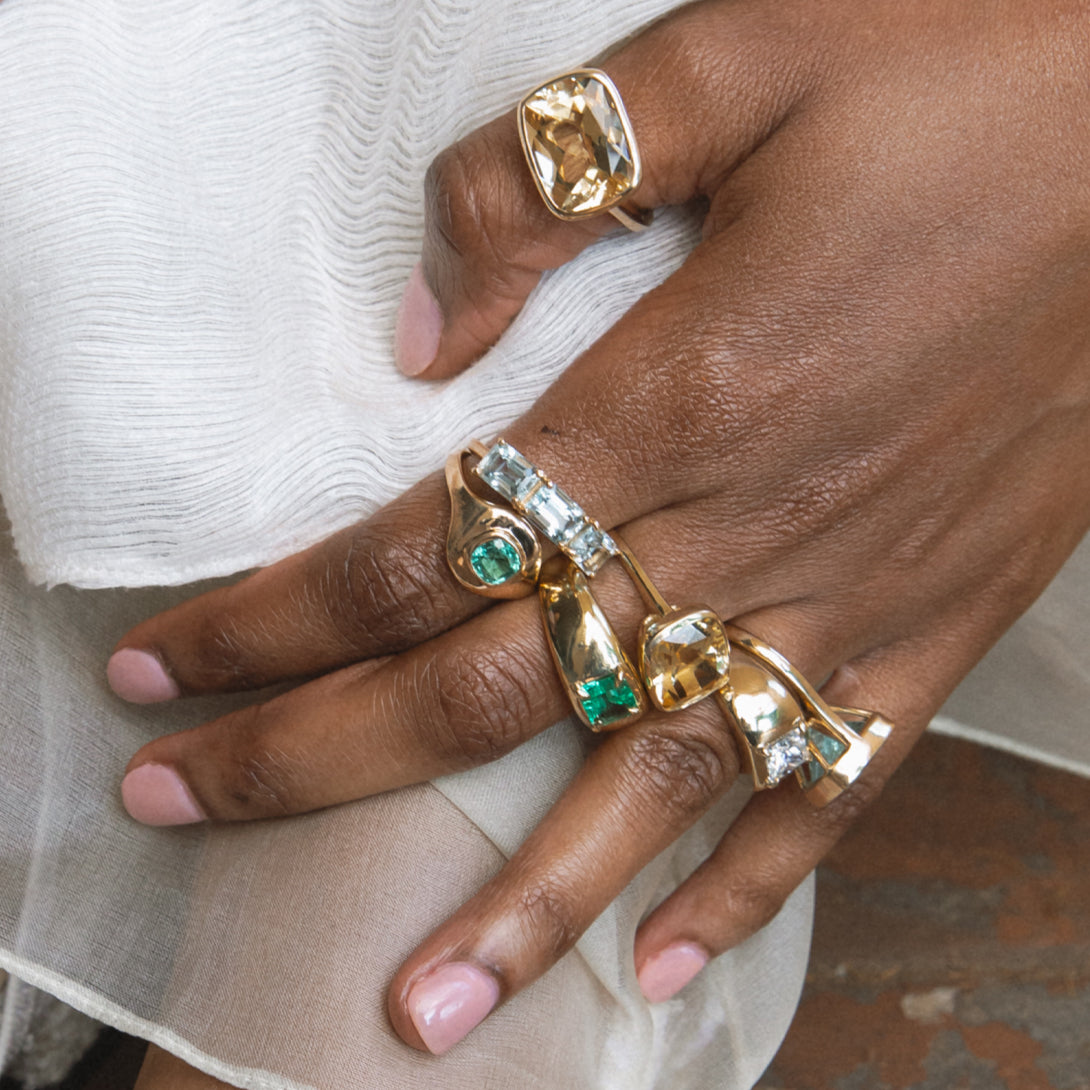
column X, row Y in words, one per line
column 578, row 120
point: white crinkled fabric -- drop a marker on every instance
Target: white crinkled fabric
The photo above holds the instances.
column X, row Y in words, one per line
column 207, row 215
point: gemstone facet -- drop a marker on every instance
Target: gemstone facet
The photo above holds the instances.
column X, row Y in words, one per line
column 579, row 144
column 685, row 657
column 785, row 754
column 591, row 547
column 503, row 469
column 607, row 699
column 495, row 561
column 558, row 515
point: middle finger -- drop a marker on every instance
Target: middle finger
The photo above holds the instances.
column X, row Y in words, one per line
column 453, row 702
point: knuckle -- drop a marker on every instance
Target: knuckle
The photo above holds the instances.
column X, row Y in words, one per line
column 483, row 706
column 456, row 191
column 548, row 917
column 224, row 653
column 260, row 780
column 752, row 904
column 386, row 583
column 687, row 773
column 466, row 201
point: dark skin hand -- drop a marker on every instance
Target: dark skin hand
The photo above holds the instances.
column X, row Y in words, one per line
column 856, row 422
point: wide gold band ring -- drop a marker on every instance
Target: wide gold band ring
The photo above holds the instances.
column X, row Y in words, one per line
column 598, row 676
column 580, row 147
column 785, row 726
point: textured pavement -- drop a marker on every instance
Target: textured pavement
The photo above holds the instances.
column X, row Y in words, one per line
column 952, row 942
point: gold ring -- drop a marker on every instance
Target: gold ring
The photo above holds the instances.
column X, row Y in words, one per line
column 579, row 144
column 780, row 722
column 684, row 653
column 548, row 508
column 491, row 550
column 599, row 678
column 785, row 726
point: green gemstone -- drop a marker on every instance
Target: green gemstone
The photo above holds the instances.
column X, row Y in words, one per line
column 495, row 561
column 607, row 699
column 829, row 747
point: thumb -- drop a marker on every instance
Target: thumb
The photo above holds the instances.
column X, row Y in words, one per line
column 702, row 89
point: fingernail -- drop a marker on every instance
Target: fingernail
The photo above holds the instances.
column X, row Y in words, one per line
column 157, row 795
column 139, row 678
column 446, row 1004
column 667, row 972
column 419, row 326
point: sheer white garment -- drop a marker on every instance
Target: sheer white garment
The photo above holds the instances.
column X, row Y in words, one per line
column 207, row 214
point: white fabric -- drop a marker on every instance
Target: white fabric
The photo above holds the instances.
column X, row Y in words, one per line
column 207, row 215
column 260, row 952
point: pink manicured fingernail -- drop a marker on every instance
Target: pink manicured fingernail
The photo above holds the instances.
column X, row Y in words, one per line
column 446, row 1004
column 157, row 795
column 419, row 326
column 668, row 971
column 139, row 677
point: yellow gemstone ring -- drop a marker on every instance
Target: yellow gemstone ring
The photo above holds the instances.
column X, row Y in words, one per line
column 579, row 144
column 780, row 723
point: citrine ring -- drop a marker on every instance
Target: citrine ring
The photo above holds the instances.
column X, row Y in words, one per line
column 780, row 722
column 580, row 147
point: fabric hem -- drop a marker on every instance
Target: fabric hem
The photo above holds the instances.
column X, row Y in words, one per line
column 103, row 1010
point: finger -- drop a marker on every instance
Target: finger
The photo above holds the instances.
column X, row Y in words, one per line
column 779, row 838
column 384, row 585
column 488, row 233
column 636, row 794
column 457, row 701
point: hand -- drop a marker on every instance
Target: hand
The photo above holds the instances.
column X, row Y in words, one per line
column 855, row 421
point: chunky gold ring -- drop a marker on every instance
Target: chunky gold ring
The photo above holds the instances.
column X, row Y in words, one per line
column 599, row 678
column 784, row 726
column 490, row 549
column 684, row 653
column 580, row 147
column 781, row 723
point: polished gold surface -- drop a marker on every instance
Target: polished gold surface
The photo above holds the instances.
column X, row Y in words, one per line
column 841, row 741
column 768, row 721
column 684, row 653
column 684, row 657
column 599, row 678
column 490, row 549
column 580, row 147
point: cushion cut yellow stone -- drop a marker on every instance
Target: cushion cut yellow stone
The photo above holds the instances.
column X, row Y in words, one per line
column 685, row 657
column 578, row 143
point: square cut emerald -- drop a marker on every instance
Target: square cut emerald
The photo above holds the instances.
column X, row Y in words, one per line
column 607, row 699
column 495, row 561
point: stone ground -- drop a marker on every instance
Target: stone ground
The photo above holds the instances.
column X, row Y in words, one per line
column 952, row 943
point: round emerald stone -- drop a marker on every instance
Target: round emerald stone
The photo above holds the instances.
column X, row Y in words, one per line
column 495, row 561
